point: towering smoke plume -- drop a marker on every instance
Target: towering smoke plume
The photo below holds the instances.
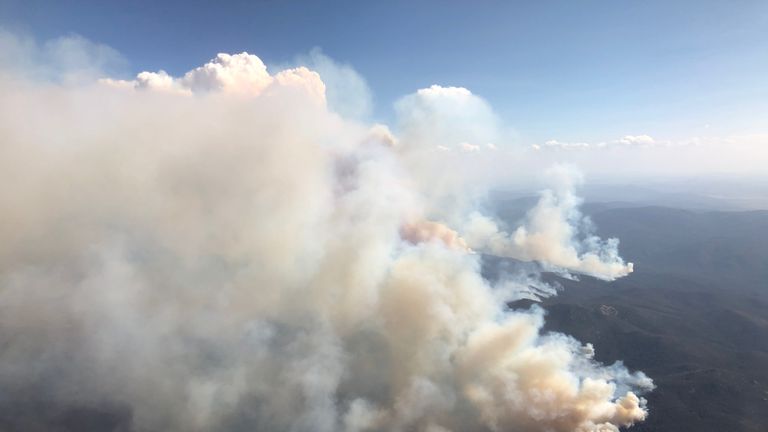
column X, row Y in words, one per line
column 221, row 251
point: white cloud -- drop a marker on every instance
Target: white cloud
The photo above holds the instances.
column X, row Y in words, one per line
column 641, row 140
column 627, row 140
column 235, row 74
column 565, row 145
column 469, row 148
column 447, row 116
column 242, row 72
column 638, row 157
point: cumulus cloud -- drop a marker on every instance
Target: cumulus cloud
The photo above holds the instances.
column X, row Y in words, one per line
column 447, row 116
column 564, row 145
column 641, row 140
column 625, row 141
column 645, row 157
column 233, row 255
column 239, row 73
column 235, row 74
column 467, row 147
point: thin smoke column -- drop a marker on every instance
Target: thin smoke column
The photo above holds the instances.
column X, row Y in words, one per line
column 223, row 251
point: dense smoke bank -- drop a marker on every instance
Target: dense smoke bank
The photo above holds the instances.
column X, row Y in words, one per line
column 222, row 251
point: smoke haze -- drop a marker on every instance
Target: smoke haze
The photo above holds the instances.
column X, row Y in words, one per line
column 222, row 251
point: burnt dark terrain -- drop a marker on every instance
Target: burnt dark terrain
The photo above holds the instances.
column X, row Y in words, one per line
column 693, row 315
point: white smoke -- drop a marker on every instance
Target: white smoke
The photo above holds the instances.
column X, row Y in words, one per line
column 232, row 255
column 68, row 59
column 551, row 234
column 346, row 90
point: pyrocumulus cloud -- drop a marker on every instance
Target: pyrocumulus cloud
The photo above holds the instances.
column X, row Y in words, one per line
column 222, row 251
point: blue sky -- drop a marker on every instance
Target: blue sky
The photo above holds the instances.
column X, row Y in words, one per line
column 567, row 70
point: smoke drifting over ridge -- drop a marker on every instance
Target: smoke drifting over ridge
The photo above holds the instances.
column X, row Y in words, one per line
column 550, row 234
column 221, row 251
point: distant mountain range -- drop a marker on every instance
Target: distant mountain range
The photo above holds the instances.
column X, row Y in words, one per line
column 711, row 193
